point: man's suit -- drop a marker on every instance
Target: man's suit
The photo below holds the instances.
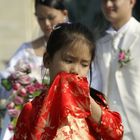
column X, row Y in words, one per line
column 107, row 71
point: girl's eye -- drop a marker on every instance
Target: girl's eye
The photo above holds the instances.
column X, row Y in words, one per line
column 68, row 61
column 85, row 64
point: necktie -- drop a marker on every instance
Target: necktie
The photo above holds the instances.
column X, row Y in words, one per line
column 116, row 41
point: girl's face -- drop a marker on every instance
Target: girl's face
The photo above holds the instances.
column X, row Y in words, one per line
column 48, row 17
column 71, row 59
column 117, row 12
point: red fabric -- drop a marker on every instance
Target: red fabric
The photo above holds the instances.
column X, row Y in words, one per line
column 62, row 114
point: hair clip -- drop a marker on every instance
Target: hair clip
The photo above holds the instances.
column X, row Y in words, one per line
column 55, row 27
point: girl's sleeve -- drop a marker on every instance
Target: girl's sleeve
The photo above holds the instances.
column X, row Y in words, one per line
column 23, row 123
column 110, row 127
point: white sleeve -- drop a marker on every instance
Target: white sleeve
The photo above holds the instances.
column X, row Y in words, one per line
column 19, row 54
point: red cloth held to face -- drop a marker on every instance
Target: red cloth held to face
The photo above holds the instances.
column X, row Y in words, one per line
column 61, row 113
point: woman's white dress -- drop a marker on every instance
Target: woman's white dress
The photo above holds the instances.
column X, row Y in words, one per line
column 24, row 53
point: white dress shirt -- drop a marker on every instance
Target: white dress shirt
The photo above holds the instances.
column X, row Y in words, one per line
column 113, row 94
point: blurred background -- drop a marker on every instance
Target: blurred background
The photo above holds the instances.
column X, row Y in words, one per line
column 18, row 24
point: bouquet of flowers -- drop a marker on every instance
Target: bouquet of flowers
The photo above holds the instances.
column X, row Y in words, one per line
column 23, row 88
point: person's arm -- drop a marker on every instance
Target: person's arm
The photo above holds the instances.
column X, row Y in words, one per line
column 96, row 111
column 106, row 123
column 18, row 55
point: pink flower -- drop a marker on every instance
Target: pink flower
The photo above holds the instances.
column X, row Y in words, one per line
column 13, row 76
column 23, row 92
column 10, row 127
column 30, row 89
column 11, row 105
column 121, row 56
column 13, row 112
column 124, row 57
column 38, row 86
column 16, row 86
column 18, row 100
column 25, row 80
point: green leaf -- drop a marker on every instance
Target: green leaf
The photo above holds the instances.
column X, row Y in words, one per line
column 36, row 93
column 6, row 84
column 14, row 121
column 19, row 107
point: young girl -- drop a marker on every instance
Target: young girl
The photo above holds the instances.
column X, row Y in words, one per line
column 66, row 111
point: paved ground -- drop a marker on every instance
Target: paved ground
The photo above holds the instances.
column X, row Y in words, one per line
column 16, row 26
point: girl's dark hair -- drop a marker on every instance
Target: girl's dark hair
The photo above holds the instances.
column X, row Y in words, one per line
column 97, row 96
column 67, row 33
column 57, row 4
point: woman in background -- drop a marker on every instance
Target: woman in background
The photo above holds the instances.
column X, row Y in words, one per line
column 48, row 14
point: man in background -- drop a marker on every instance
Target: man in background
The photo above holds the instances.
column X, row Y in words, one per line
column 116, row 69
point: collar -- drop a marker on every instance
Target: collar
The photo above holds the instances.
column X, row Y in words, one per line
column 122, row 30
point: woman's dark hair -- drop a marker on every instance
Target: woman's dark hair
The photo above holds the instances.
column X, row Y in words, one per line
column 57, row 4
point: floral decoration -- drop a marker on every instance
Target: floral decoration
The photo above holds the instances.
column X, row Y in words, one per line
column 22, row 88
column 124, row 57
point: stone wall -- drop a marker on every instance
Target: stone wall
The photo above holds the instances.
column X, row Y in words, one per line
column 17, row 25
